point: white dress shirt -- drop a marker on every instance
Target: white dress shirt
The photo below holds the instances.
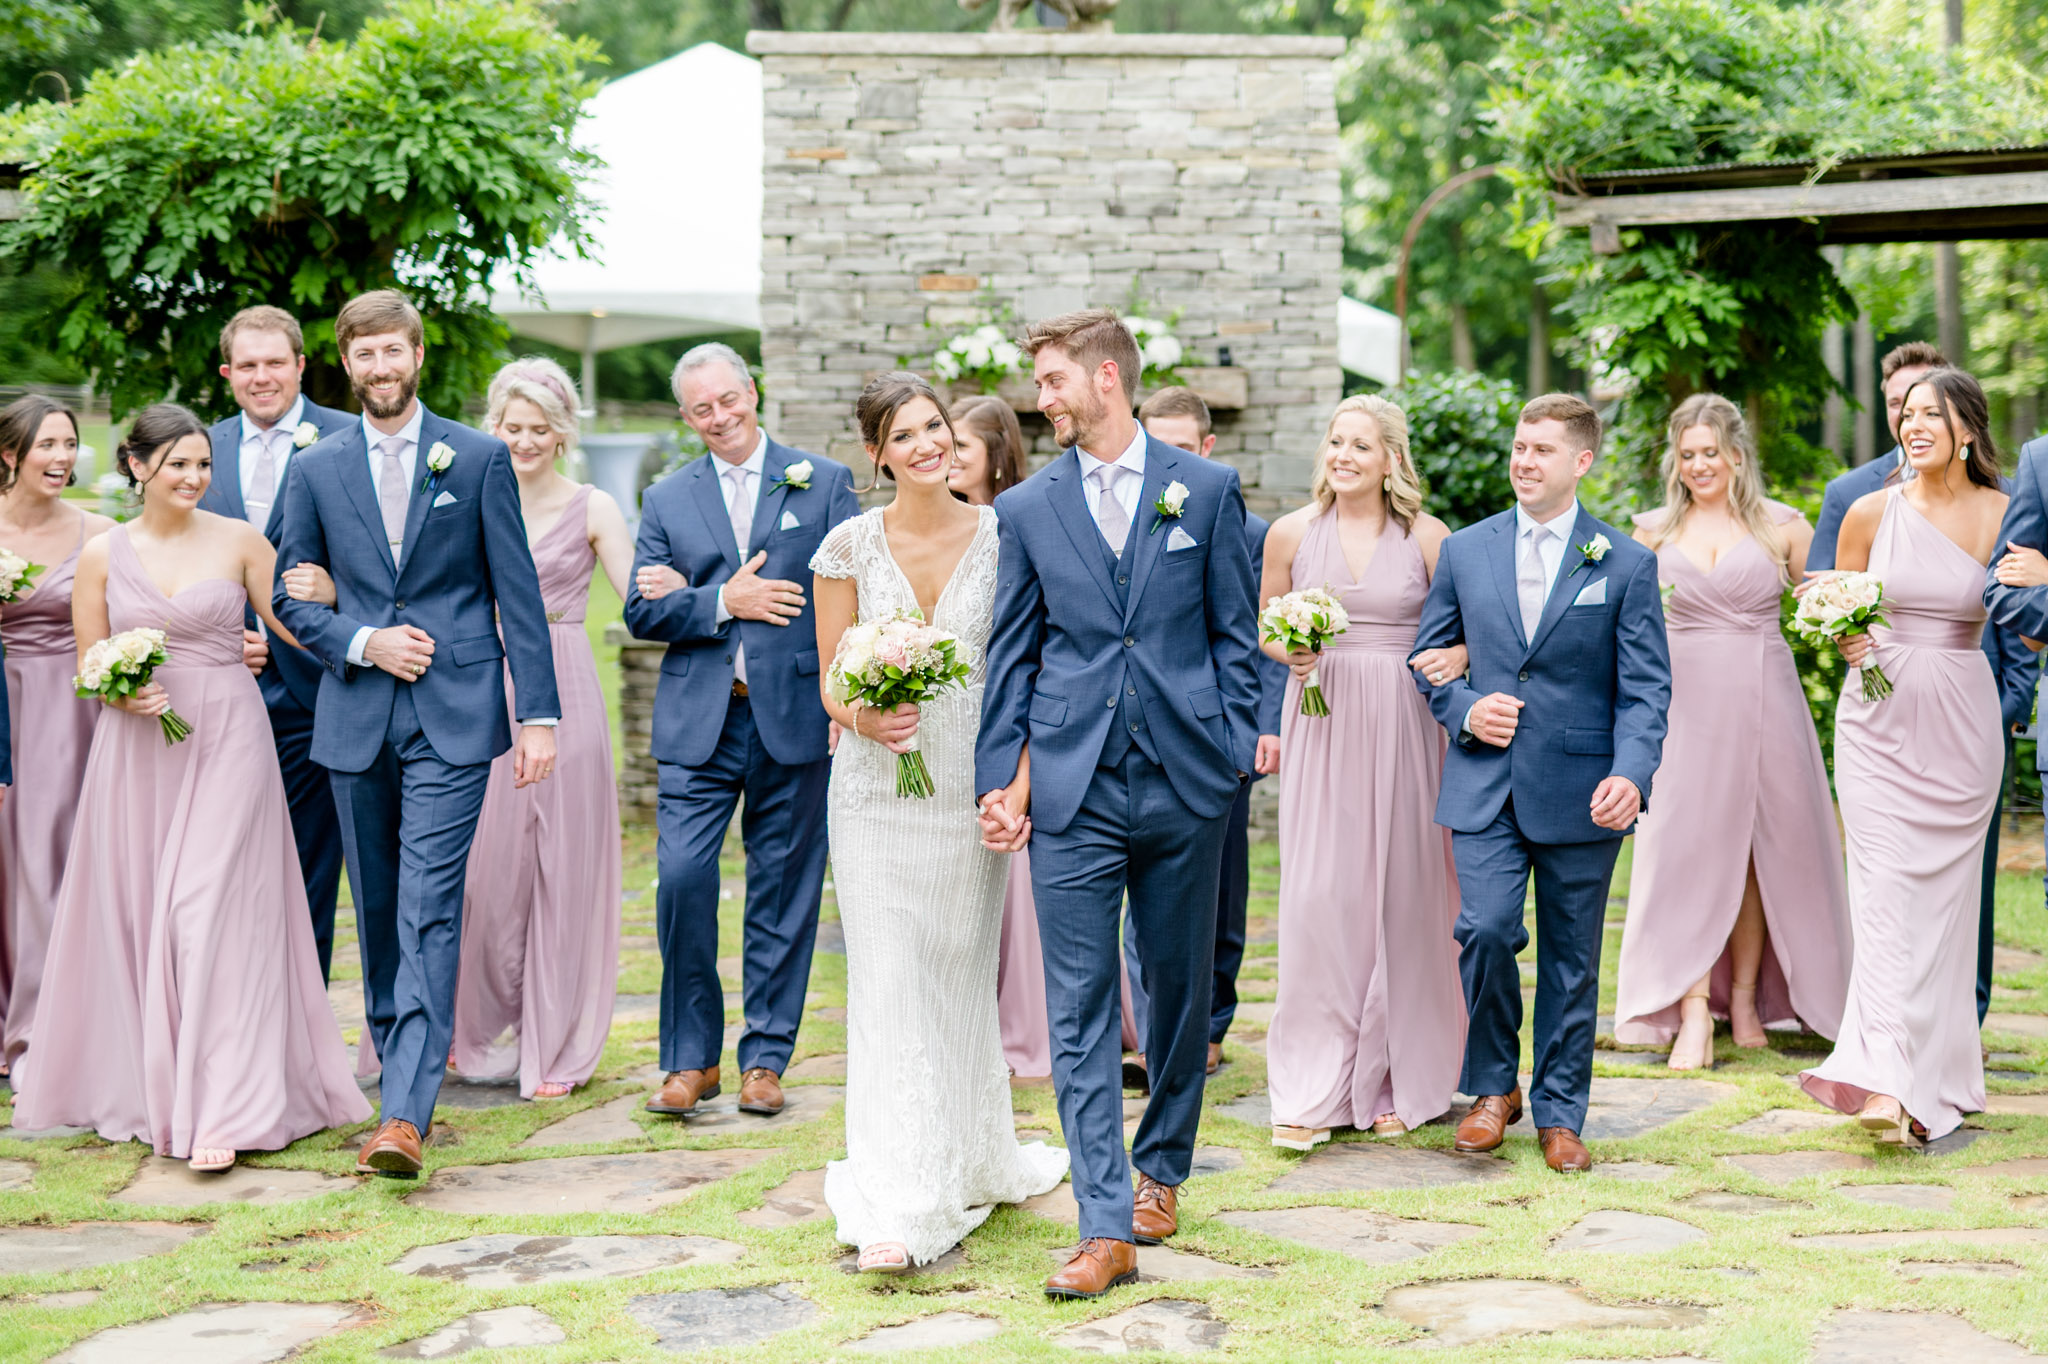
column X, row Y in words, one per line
column 279, row 438
column 1127, row 483
column 1550, row 549
column 751, row 469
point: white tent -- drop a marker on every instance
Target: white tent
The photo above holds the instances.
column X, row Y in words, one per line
column 1368, row 341
column 676, row 239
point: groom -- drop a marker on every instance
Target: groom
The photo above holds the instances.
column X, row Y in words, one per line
column 1121, row 686
column 417, row 520
column 1558, row 728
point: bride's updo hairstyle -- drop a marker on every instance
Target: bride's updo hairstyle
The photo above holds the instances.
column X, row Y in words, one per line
column 155, row 429
column 876, row 409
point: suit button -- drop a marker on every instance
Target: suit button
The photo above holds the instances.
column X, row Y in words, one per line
column 1130, row 691
column 401, row 606
column 1111, row 703
column 1134, row 729
column 1129, row 642
column 1122, row 581
column 1522, row 676
column 728, row 658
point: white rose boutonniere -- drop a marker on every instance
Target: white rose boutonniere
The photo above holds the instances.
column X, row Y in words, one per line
column 797, row 475
column 439, row 457
column 304, row 435
column 1592, row 552
column 1169, row 505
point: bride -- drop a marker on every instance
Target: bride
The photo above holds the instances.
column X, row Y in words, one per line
column 930, row 1148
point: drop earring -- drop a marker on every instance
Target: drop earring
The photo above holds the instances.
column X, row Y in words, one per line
column 1387, row 483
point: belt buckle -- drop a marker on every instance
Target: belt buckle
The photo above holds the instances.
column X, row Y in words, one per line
column 739, row 689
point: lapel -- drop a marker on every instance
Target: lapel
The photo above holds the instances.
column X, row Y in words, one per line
column 1151, row 543
column 711, row 506
column 420, row 497
column 352, row 466
column 768, row 503
column 1568, row 586
column 1500, row 552
column 227, row 468
column 1070, row 505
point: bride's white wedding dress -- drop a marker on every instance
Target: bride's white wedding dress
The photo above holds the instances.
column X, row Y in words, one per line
column 930, row 1145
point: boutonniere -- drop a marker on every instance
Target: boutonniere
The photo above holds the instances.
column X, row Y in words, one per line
column 439, row 457
column 1169, row 505
column 304, row 435
column 1590, row 553
column 797, row 475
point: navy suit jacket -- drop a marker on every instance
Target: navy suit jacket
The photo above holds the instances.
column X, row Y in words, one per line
column 467, row 574
column 1272, row 672
column 1596, row 680
column 2022, row 610
column 292, row 676
column 684, row 524
column 2013, row 664
column 1061, row 643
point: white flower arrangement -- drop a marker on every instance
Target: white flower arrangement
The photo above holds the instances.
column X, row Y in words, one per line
column 797, row 475
column 439, row 457
column 984, row 356
column 1307, row 618
column 1172, row 499
column 1590, row 553
column 121, row 665
column 1845, row 604
column 1158, row 348
column 304, row 435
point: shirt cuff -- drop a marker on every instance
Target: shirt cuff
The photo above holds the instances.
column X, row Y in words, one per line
column 719, row 615
column 549, row 723
column 1465, row 725
column 358, row 644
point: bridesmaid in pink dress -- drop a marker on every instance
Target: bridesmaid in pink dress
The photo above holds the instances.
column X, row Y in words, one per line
column 183, row 1004
column 1740, row 852
column 52, row 727
column 1370, row 1027
column 1918, row 772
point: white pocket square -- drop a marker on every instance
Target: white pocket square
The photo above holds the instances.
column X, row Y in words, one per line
column 1592, row 594
column 789, row 521
column 1180, row 539
column 445, row 500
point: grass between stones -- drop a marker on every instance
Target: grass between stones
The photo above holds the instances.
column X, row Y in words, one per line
column 1766, row 1294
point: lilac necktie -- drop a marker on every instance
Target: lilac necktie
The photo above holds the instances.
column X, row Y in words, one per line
column 1532, row 584
column 1109, row 513
column 391, row 495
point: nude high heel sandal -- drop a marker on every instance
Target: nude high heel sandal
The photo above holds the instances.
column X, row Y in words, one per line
column 1705, row 1059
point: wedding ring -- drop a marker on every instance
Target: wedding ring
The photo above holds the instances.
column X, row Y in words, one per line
column 1436, row 677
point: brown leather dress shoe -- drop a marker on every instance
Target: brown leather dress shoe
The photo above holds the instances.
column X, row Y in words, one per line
column 761, row 1092
column 1486, row 1126
column 1099, row 1264
column 393, row 1149
column 1215, row 1057
column 1563, row 1151
column 1154, row 1215
column 683, row 1089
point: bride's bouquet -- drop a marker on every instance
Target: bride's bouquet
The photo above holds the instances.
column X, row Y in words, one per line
column 15, row 575
column 1845, row 604
column 1306, row 619
column 121, row 665
column 888, row 663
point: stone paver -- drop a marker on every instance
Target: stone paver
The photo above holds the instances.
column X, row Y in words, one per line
column 1908, row 1338
column 1635, row 1171
column 1968, row 1236
column 1784, row 1167
column 638, row 1182
column 458, row 1093
column 1614, row 1057
column 1373, row 1237
column 512, row 1260
column 1466, row 1311
column 42, row 1133
column 2030, row 1202
column 1255, row 1015
column 1348, row 1165
column 77, row 1297
column 1911, row 1270
column 498, row 1329
column 727, row 1317
column 1255, row 1108
column 218, row 1333
column 1621, row 1106
column 1216, row 1160
column 801, row 1104
column 2012, row 961
column 1787, row 1122
column 2026, row 1167
column 1056, row 1204
column 16, row 1175
column 604, row 1123
column 1164, row 1264
column 831, row 937
column 1613, row 1231
column 1914, row 1197
column 941, row 1330
column 1721, row 1200
column 84, row 1245
column 832, row 1067
column 636, row 1009
column 166, row 1183
column 1170, row 1324
column 798, row 1199
column 2017, row 1025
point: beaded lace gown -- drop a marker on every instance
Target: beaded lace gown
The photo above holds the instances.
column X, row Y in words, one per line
column 930, row 1144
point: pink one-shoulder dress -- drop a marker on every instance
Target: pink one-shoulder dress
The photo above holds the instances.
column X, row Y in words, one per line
column 52, row 733
column 1918, row 773
column 540, row 912
column 182, row 1003
column 1741, row 782
column 1371, row 1016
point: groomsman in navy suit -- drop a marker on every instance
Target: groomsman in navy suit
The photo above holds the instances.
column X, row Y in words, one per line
column 736, row 714
column 1179, row 417
column 1118, row 727
column 1558, row 728
column 416, row 518
column 263, row 358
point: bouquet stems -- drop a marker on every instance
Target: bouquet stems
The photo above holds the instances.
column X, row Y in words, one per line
column 176, row 731
column 1876, row 686
column 913, row 778
column 1312, row 702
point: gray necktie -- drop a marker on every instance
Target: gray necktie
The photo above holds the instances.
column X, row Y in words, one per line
column 265, row 478
column 1109, row 513
column 391, row 494
column 742, row 513
column 1532, row 584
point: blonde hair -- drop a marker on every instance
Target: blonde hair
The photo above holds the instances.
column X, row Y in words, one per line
column 1404, row 488
column 543, row 383
column 1746, row 481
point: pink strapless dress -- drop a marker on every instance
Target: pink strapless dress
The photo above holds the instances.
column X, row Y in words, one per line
column 182, row 1003
column 1371, row 1017
column 52, row 733
column 1918, row 773
column 540, row 913
column 1741, row 781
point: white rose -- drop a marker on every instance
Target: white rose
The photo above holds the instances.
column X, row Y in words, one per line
column 1596, row 548
column 440, row 457
column 305, row 435
column 946, row 364
column 797, row 475
column 1174, row 498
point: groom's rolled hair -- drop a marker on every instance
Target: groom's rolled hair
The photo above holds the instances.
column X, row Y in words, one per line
column 1581, row 422
column 1088, row 338
column 261, row 318
column 374, row 314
